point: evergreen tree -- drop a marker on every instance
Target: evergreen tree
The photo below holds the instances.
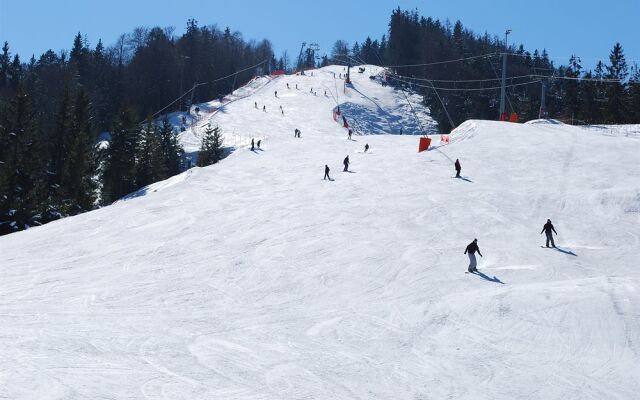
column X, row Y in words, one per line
column 78, row 168
column 211, row 150
column 572, row 88
column 634, row 96
column 171, row 149
column 119, row 173
column 150, row 163
column 615, row 110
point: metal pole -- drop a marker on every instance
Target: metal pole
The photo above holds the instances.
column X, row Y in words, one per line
column 543, row 101
column 503, row 86
column 503, row 89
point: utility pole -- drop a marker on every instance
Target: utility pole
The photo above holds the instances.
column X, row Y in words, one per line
column 503, row 87
column 181, row 79
column 543, row 101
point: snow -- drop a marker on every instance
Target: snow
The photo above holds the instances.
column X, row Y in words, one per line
column 255, row 279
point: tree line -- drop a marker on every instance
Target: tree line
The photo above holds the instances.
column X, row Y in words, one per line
column 55, row 111
column 610, row 93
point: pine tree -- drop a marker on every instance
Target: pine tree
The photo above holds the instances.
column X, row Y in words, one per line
column 150, row 165
column 77, row 182
column 119, row 173
column 4, row 65
column 572, row 88
column 171, row 149
column 615, row 109
column 634, row 96
column 211, row 150
column 22, row 181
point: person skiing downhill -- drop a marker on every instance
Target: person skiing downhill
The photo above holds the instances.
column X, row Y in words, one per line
column 548, row 229
column 471, row 250
column 350, row 133
column 366, row 147
column 346, row 163
column 252, row 145
column 326, row 172
column 458, row 168
column 258, row 143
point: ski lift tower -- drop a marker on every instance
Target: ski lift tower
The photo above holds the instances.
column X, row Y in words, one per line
column 300, row 58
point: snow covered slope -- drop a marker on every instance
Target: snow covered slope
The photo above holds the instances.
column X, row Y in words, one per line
column 369, row 107
column 256, row 279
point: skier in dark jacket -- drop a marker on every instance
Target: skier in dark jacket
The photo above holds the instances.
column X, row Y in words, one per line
column 350, row 132
column 366, row 147
column 252, row 145
column 258, row 143
column 326, row 172
column 346, row 163
column 471, row 250
column 458, row 168
column 548, row 229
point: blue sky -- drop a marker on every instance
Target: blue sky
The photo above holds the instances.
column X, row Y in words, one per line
column 587, row 28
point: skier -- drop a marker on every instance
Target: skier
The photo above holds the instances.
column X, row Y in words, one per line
column 366, row 147
column 288, row 85
column 325, row 93
column 275, row 93
column 326, row 172
column 256, row 104
column 311, row 91
column 346, row 164
column 296, row 85
column 259, row 143
column 547, row 229
column 264, row 108
column 458, row 168
column 471, row 250
column 350, row 132
column 252, row 147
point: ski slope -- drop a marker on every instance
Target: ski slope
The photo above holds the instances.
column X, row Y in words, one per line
column 256, row 279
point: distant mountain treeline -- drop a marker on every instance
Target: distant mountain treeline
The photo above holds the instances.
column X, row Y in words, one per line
column 53, row 107
column 573, row 94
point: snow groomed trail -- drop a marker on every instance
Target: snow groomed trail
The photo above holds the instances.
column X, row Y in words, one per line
column 256, row 279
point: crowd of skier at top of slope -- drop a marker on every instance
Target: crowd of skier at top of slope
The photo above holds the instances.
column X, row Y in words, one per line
column 471, row 248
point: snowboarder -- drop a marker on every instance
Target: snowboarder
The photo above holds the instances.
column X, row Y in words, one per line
column 326, row 172
column 458, row 168
column 471, row 250
column 346, row 164
column 259, row 143
column 366, row 147
column 264, row 108
column 350, row 132
column 548, row 229
column 252, row 146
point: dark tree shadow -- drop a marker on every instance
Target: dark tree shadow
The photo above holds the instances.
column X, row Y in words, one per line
column 483, row 276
